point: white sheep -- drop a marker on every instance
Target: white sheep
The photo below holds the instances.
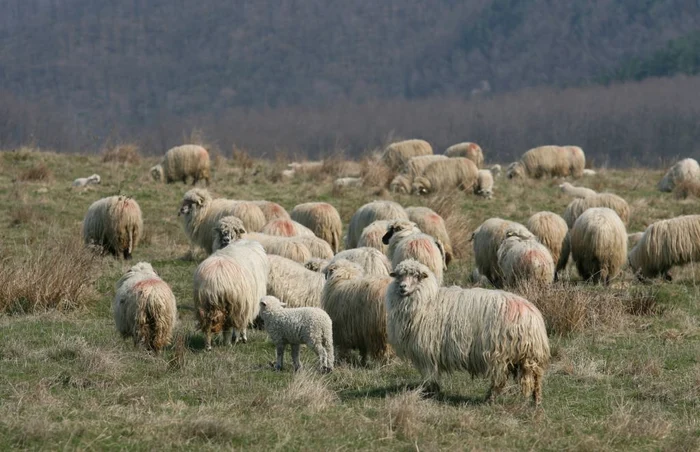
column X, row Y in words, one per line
column 599, row 244
column 181, row 162
column 289, row 247
column 271, row 210
column 113, row 224
column 293, row 283
column 589, row 172
column 549, row 161
column 496, row 170
column 372, row 261
column 429, row 222
column 144, row 307
column 369, row 213
column 347, row 182
column 415, row 166
column 372, row 235
column 686, row 170
column 397, row 154
column 485, row 332
column 472, row 151
column 296, row 326
column 551, row 230
column 486, row 240
column 524, row 261
column 321, row 218
column 285, row 227
column 458, row 172
column 406, row 241
column 609, row 200
column 576, row 192
column 484, row 184
column 85, row 181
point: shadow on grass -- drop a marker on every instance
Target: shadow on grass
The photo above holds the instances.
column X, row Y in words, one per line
column 194, row 342
column 383, row 392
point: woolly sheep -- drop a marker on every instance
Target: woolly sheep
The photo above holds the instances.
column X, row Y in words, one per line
column 372, row 261
column 228, row 286
column 665, row 244
column 84, row 181
column 400, row 184
column 429, row 222
column 322, row 219
column 686, row 170
column 144, row 307
column 397, row 154
column 599, row 244
column 484, row 184
column 181, row 162
column 495, row 170
column 551, row 230
column 576, row 192
column 296, row 326
column 201, row 213
column 347, row 182
column 289, row 247
column 283, row 227
column 458, row 172
column 472, row 151
column 369, row 213
column 524, row 261
column 355, row 304
column 271, row 210
column 229, row 229
column 417, row 165
column 485, row 332
column 316, row 264
column 609, row 200
column 293, row 283
column 114, row 224
column 317, row 247
column 486, row 240
column 406, row 241
column 549, row 161
column 301, row 167
column 372, row 235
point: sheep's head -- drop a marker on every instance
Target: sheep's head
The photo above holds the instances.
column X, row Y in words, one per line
column 515, row 170
column 94, row 179
column 343, row 269
column 408, row 276
column 269, row 303
column 316, row 264
column 193, row 200
column 421, row 185
column 229, row 229
column 157, row 173
column 399, row 227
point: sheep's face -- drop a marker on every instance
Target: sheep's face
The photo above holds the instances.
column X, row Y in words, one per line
column 408, row 282
column 269, row 303
column 157, row 173
column 229, row 229
column 94, row 179
column 515, row 170
column 189, row 206
column 142, row 267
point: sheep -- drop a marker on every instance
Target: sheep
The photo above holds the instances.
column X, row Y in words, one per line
column 400, row 184
column 309, row 166
column 322, row 219
column 293, row 283
column 486, row 240
column 417, row 165
column 372, row 235
column 406, row 241
column 114, row 224
column 228, row 229
column 144, row 307
column 282, row 227
column 317, row 247
column 686, row 170
column 369, row 213
column 472, row 151
column 665, row 244
column 429, row 222
column 181, row 162
column 201, row 213
column 576, row 192
column 485, row 332
column 496, row 170
column 551, row 230
column 397, row 154
column 484, row 184
column 85, row 181
column 355, row 303
column 458, row 172
column 347, row 182
column 609, row 200
column 372, row 261
column 296, row 326
column 228, row 286
column 599, row 244
column 549, row 161
column 316, row 264
column 271, row 210
column 525, row 261
column 633, row 238
column 289, row 247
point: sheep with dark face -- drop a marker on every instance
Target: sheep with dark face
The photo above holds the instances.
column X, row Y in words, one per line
column 406, row 241
column 368, row 214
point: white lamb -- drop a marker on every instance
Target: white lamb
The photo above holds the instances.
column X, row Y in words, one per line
column 84, row 181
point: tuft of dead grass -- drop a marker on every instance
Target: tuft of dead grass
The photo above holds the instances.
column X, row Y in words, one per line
column 375, row 174
column 210, row 429
column 122, row 153
column 310, row 390
column 687, row 189
column 38, row 172
column 405, row 412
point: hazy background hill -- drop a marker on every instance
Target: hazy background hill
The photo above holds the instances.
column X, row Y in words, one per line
column 308, row 76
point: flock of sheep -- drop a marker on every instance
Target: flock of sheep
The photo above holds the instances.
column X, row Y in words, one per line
column 383, row 294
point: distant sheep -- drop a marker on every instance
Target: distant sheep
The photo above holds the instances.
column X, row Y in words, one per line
column 484, row 184
column 144, row 307
column 633, row 238
column 182, row 162
column 372, row 235
column 322, row 219
column 552, row 232
column 589, row 172
column 369, row 213
column 401, row 184
column 416, row 165
column 458, row 172
column 549, row 161
column 599, row 244
column 271, row 210
column 496, row 170
column 524, row 261
column 284, row 227
column 397, row 154
column 293, row 283
column 576, row 192
column 486, row 239
column 406, row 241
column 114, row 224
column 85, row 181
column 485, row 332
column 289, row 247
column 429, row 222
column 347, row 182
column 666, row 244
column 685, row 170
column 472, row 151
column 609, row 200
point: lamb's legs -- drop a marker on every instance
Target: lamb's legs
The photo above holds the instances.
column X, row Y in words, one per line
column 295, row 356
column 324, row 365
column 280, row 356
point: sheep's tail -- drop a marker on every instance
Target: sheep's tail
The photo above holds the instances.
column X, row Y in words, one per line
column 151, row 325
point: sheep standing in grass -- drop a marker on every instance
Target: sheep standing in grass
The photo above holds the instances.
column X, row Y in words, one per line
column 271, row 210
column 293, row 283
column 347, row 182
column 525, row 261
column 144, row 307
column 599, row 244
column 296, row 326
column 609, row 200
column 576, row 192
column 429, row 222
column 114, row 224
column 182, row 162
column 321, row 218
column 228, row 286
column 472, row 151
column 549, row 161
column 484, row 184
column 355, row 304
column 486, row 240
column 406, row 241
column 372, row 235
column 485, row 332
column 85, row 181
column 552, row 232
column 687, row 170
column 665, row 244
column 458, row 172
column 397, row 154
column 417, row 165
column 284, row 227
column 369, row 213
column 372, row 261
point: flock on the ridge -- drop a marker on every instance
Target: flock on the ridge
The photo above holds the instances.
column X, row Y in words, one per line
column 383, row 294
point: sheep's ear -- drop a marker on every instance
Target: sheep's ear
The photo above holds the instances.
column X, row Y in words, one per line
column 392, row 274
column 423, row 275
column 263, row 303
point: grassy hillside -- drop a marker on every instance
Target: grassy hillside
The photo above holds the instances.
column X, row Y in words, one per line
column 624, row 372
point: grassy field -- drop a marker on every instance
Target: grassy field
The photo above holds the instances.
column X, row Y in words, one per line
column 624, row 372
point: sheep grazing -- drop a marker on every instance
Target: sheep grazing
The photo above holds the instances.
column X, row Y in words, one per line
column 429, row 222
column 485, row 332
column 687, row 170
column 229, row 229
column 321, row 218
column 228, row 286
column 551, row 230
column 633, row 238
column 282, row 227
column 458, row 172
column 113, row 224
column 318, row 247
column 144, row 307
column 417, row 165
column 201, row 213
column 406, row 241
column 549, row 161
column 369, row 213
column 472, row 151
column 181, row 162
column 609, row 200
column 400, row 184
column 296, row 326
column 397, row 154
column 347, row 182
column 289, row 247
column 293, row 283
column 355, row 304
column 599, row 244
column 484, row 184
column 576, row 192
column 524, row 261
column 372, row 235
column 85, row 181
column 372, row 261
column 271, row 210
column 665, row 244
column 486, row 240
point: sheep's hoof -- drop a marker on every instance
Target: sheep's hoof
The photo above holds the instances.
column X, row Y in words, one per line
column 207, row 348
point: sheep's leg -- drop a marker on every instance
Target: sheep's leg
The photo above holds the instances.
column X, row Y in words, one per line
column 497, row 385
column 322, row 356
column 207, row 340
column 280, row 356
column 243, row 336
column 228, row 334
column 537, row 388
column 295, row 357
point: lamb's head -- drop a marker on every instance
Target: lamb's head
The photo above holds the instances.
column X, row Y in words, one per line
column 399, row 229
column 193, row 200
column 515, row 170
column 565, row 186
column 229, row 229
column 409, row 275
column 316, row 264
column 157, row 173
column 343, row 269
column 421, row 185
column 269, row 304
column 94, row 179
